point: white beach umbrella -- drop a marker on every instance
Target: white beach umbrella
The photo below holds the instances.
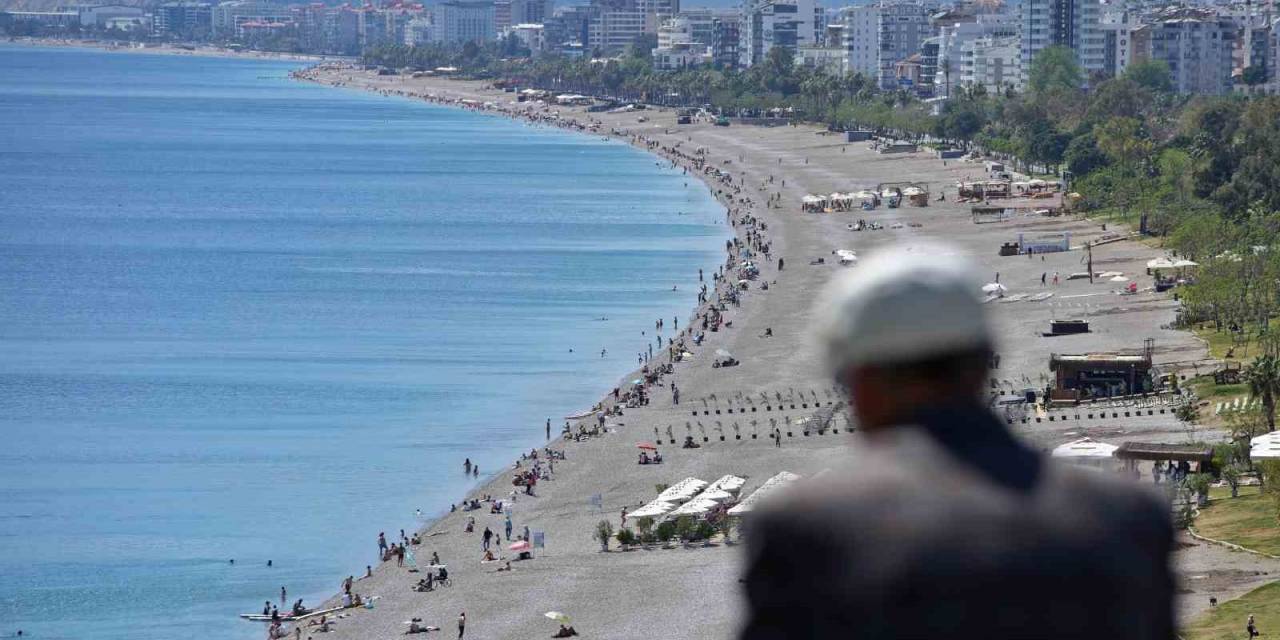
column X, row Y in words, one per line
column 1085, row 448
column 1180, row 263
column 769, row 486
column 1160, row 263
column 1119, row 279
column 994, row 287
column 653, row 509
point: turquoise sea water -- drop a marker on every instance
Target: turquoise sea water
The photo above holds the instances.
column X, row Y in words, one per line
column 245, row 317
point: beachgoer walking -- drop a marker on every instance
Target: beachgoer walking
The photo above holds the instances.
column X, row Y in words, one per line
column 624, row 517
column 462, row 624
column 488, row 536
column 526, row 532
column 780, row 264
column 283, row 595
column 382, row 548
column 346, row 584
column 466, row 466
column 1055, row 278
column 1042, row 278
column 1251, row 627
column 548, row 428
column 508, row 527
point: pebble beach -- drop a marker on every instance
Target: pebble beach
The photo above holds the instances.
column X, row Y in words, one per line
column 760, row 174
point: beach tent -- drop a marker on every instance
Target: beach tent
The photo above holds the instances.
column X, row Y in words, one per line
column 730, row 483
column 1085, row 448
column 695, row 507
column 652, row 510
column 1265, row 446
column 714, row 495
column 1160, row 263
column 769, row 486
column 682, row 491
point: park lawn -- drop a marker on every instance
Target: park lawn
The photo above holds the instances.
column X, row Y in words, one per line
column 1249, row 521
column 1224, row 493
column 1205, row 388
column 1227, row 620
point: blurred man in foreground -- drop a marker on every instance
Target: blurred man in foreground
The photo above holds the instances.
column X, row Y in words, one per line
column 943, row 525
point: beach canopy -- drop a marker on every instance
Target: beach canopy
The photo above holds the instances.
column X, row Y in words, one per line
column 1265, row 446
column 646, row 445
column 714, row 495
column 683, row 490
column 730, row 483
column 846, row 255
column 695, row 507
column 652, row 510
column 769, row 486
column 1085, row 448
column 558, row 617
column 1183, row 262
column 1160, row 263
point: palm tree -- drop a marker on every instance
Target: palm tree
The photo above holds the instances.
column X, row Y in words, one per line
column 1263, row 378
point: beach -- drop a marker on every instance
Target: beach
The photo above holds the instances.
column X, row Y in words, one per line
column 694, row 592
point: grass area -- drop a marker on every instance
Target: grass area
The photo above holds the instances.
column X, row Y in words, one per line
column 1227, row 620
column 1224, row 493
column 1204, row 388
column 1220, row 342
column 1249, row 521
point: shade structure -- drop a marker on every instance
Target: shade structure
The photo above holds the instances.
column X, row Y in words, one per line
column 1265, row 446
column 695, row 507
column 729, row 483
column 769, row 486
column 682, row 491
column 652, row 510
column 714, row 495
column 1085, row 448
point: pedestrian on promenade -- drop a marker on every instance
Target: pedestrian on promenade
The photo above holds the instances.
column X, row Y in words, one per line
column 993, row 542
column 462, row 624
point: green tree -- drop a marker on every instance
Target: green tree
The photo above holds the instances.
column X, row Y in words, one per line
column 1151, row 74
column 1054, row 68
column 1263, row 378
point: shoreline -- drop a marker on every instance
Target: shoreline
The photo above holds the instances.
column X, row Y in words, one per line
column 587, row 583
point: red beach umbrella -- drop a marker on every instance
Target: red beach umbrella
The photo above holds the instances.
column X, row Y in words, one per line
column 646, row 445
column 520, row 545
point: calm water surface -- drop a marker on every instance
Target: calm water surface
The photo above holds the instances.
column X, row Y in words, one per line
column 244, row 317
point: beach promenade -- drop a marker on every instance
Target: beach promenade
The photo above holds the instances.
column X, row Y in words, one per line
column 694, row 592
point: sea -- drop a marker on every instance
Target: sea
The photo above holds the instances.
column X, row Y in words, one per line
column 248, row 318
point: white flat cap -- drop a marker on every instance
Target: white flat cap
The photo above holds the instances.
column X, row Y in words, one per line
column 902, row 306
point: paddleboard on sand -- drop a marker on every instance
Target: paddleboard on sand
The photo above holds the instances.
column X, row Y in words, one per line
column 289, row 618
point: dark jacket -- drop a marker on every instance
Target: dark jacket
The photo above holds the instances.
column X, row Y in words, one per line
column 952, row 529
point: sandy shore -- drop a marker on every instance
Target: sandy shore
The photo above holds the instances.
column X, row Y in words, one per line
column 694, row 593
column 167, row 49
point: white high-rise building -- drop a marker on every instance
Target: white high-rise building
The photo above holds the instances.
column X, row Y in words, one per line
column 778, row 23
column 862, row 39
column 952, row 40
column 1068, row 23
column 460, row 21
